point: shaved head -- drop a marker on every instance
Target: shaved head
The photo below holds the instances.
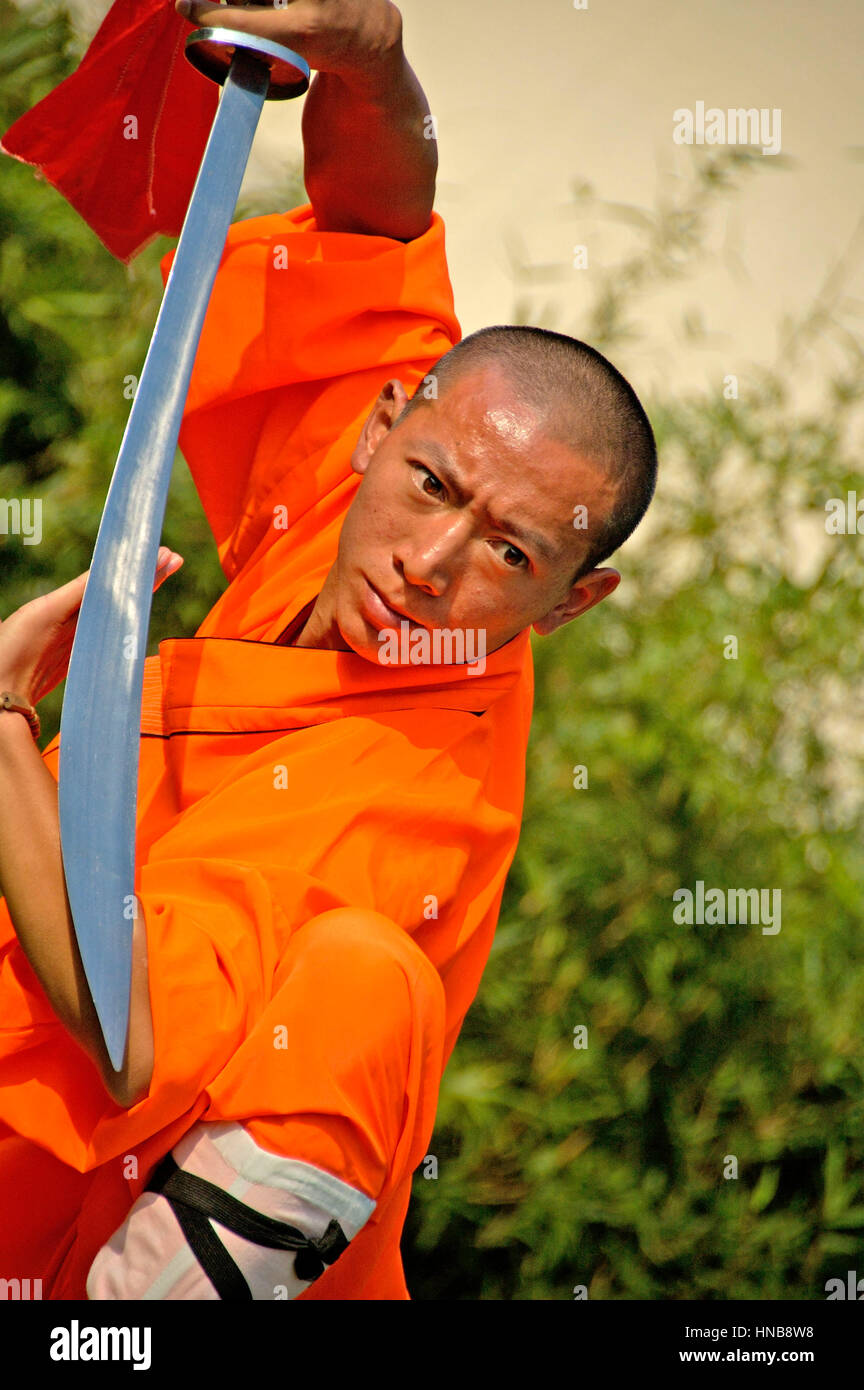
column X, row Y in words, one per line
column 582, row 401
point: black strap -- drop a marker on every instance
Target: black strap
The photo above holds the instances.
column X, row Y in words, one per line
column 194, row 1201
column 211, row 1254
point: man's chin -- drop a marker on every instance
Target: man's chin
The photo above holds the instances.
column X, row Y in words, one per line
column 363, row 640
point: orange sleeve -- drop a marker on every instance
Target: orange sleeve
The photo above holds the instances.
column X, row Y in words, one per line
column 295, row 314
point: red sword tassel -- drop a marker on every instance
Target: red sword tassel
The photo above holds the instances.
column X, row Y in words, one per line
column 122, row 137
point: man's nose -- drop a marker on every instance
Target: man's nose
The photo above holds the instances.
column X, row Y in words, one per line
column 431, row 557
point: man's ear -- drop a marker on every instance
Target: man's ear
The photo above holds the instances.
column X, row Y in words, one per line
column 590, row 589
column 392, row 400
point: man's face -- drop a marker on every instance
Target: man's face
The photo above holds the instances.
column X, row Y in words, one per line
column 464, row 520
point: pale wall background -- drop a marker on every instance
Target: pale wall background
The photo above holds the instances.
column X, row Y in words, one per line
column 533, row 96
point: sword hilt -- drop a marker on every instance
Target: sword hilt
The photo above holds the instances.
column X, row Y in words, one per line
column 212, row 51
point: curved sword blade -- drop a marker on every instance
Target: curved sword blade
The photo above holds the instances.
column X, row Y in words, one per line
column 102, row 705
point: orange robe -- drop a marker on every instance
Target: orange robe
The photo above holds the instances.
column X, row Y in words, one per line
column 277, row 784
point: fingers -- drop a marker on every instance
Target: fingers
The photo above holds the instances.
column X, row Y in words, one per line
column 168, row 562
column 266, row 20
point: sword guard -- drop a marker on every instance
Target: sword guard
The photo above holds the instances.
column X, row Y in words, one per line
column 211, row 51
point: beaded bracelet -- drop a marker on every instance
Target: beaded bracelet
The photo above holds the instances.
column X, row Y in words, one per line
column 15, row 705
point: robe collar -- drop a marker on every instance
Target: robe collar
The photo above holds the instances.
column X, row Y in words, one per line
column 237, row 685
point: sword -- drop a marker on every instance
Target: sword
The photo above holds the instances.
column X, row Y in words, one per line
column 101, row 718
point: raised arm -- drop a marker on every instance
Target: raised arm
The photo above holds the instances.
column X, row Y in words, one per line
column 370, row 152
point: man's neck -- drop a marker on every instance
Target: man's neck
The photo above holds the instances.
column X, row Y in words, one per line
column 321, row 629
column 309, row 629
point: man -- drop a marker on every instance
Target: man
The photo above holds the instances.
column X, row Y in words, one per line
column 328, row 808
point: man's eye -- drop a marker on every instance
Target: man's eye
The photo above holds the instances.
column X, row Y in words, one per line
column 514, row 550
column 429, row 477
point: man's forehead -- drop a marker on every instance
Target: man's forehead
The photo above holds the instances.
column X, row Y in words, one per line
column 477, row 411
column 480, row 419
column 487, row 391
column 511, row 424
column 482, row 408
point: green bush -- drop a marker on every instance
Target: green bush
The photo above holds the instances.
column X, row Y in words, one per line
column 607, row 1166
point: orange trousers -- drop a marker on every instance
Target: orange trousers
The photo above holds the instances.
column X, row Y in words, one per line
column 341, row 1072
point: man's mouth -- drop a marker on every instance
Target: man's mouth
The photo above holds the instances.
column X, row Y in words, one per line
column 384, row 612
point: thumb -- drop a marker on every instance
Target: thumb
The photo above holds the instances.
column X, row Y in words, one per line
column 168, row 562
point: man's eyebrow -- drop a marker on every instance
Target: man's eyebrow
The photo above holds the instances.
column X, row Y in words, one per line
column 439, row 456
